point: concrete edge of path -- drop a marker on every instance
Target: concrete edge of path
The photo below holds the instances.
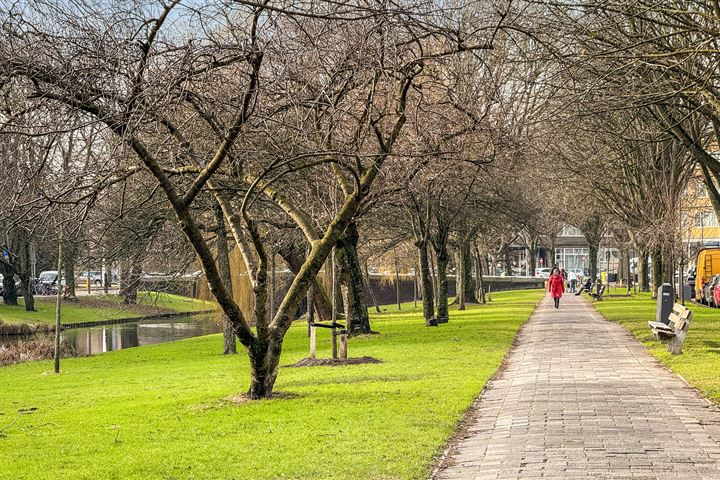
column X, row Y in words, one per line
column 470, row 413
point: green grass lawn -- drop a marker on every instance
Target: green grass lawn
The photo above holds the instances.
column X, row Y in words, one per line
column 160, row 412
column 699, row 363
column 101, row 307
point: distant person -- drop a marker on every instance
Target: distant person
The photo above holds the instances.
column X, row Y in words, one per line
column 586, row 287
column 556, row 286
column 572, row 280
column 563, row 274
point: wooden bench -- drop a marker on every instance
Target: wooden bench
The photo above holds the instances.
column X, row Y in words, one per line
column 674, row 332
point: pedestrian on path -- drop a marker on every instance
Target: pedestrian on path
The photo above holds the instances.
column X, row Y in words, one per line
column 572, row 280
column 556, row 286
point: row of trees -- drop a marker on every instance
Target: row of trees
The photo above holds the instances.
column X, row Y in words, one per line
column 263, row 128
column 307, row 131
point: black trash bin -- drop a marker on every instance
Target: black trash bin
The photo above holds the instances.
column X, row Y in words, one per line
column 665, row 301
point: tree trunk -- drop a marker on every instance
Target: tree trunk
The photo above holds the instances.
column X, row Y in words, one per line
column 532, row 260
column 426, row 285
column 263, row 370
column 295, row 257
column 358, row 321
column 657, row 270
column 508, row 261
column 69, row 256
column 370, row 289
column 442, row 258
column 24, row 271
column 133, row 283
column 594, row 247
column 223, row 261
column 465, row 264
column 644, row 279
column 9, row 290
column 459, row 281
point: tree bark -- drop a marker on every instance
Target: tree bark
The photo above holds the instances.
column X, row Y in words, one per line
column 223, row 262
column 459, row 281
column 594, row 247
column 426, row 285
column 469, row 286
column 508, row 261
column 644, row 279
column 9, row 290
column 69, row 256
column 133, row 283
column 442, row 257
column 358, row 321
column 657, row 269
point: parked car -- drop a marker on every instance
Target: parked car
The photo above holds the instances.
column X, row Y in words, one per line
column 709, row 291
column 95, row 278
column 716, row 293
column 18, row 285
column 543, row 272
column 47, row 282
column 690, row 282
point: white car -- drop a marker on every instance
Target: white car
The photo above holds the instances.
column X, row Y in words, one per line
column 543, row 272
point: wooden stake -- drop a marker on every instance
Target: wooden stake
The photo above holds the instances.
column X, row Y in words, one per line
column 343, row 344
column 313, row 341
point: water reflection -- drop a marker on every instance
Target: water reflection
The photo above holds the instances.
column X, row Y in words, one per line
column 89, row 341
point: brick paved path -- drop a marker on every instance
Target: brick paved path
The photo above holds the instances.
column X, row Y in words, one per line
column 579, row 398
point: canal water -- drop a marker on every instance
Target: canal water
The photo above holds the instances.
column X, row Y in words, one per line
column 106, row 338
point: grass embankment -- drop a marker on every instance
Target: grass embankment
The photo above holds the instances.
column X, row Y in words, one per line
column 93, row 308
column 700, row 360
column 160, row 411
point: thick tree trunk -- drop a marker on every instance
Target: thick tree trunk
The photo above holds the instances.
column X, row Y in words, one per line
column 358, row 321
column 594, row 260
column 467, row 286
column 426, row 285
column 9, row 290
column 24, row 272
column 508, row 261
column 223, row 262
column 657, row 269
column 130, row 294
column 532, row 261
column 264, row 362
column 69, row 255
column 442, row 258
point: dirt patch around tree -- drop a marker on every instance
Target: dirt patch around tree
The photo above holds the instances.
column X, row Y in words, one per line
column 333, row 362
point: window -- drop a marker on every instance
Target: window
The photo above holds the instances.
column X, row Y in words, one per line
column 576, row 258
column 570, row 231
column 706, row 219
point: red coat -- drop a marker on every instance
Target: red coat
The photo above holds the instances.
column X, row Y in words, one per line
column 556, row 286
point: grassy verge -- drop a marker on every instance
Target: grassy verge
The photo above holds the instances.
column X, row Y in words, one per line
column 101, row 307
column 161, row 411
column 700, row 360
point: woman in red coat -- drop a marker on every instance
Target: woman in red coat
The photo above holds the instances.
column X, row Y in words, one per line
column 556, row 286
